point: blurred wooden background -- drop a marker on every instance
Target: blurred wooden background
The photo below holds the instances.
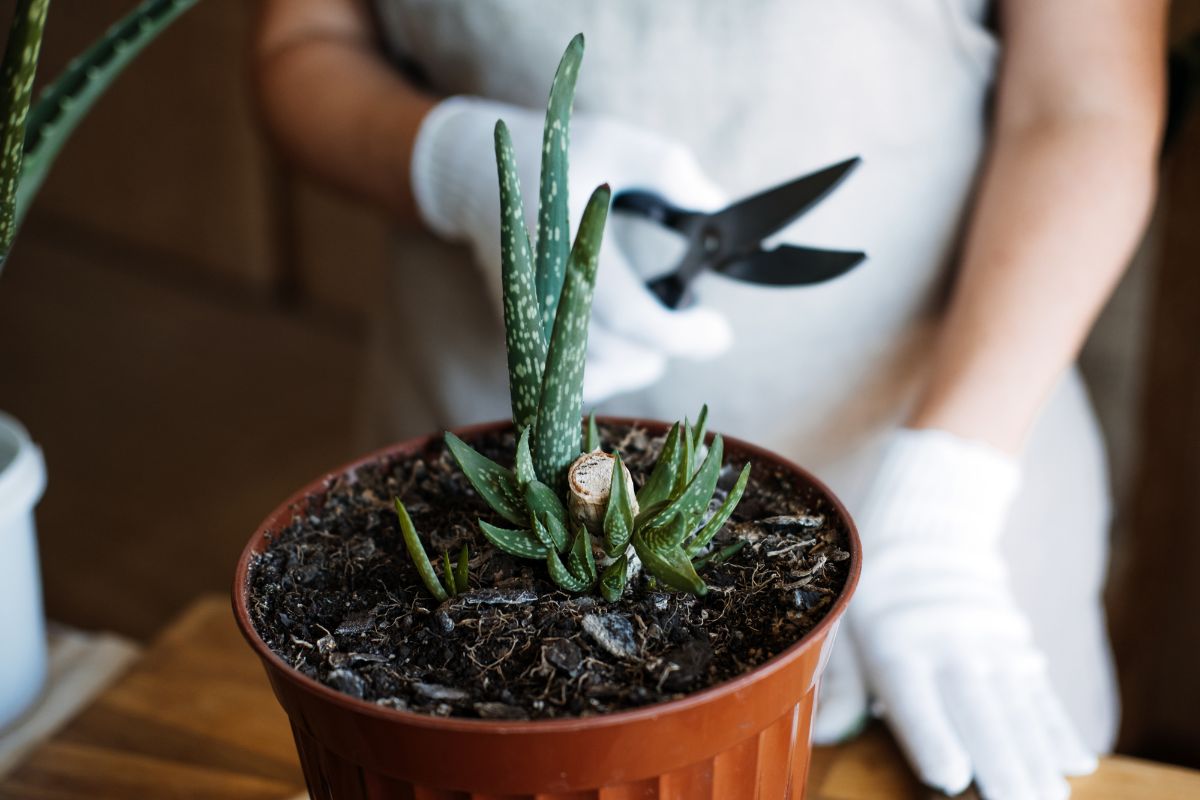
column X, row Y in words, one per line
column 181, row 328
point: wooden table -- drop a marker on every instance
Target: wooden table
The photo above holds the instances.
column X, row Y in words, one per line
column 194, row 719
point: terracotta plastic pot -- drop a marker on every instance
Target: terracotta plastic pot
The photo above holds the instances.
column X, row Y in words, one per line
column 746, row 738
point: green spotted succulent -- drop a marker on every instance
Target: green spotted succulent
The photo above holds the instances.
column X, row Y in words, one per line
column 666, row 524
column 34, row 133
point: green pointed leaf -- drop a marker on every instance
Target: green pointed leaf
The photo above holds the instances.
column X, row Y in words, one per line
column 556, row 430
column 698, row 432
column 540, row 498
column 684, row 469
column 416, row 551
column 719, row 556
column 448, row 573
column 537, row 523
column 554, row 223
column 657, row 487
column 66, row 101
column 671, row 566
column 580, row 562
column 524, row 466
column 523, row 336
column 522, row 543
column 462, row 572
column 618, row 516
column 692, row 502
column 612, row 580
column 17, row 72
column 667, row 532
column 591, row 441
column 495, row 484
column 721, row 516
column 561, row 576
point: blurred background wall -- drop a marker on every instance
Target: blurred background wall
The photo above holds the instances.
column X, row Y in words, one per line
column 182, row 324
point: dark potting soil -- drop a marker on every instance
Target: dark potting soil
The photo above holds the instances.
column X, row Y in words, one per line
column 337, row 597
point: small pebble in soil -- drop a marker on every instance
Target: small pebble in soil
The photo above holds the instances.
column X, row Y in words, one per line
column 435, row 691
column 346, row 681
column 613, row 632
column 565, row 655
column 797, row 521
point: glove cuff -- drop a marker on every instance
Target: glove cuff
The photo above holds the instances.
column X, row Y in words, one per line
column 448, row 172
column 933, row 485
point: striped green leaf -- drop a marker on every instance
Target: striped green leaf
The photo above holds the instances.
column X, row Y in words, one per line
column 448, row 573
column 522, row 543
column 686, row 466
column 554, row 223
column 495, row 484
column 416, row 551
column 524, row 466
column 698, row 431
column 690, row 505
column 66, row 101
column 721, row 516
column 556, row 429
column 523, row 336
column 544, row 504
column 657, row 487
column 591, row 439
column 17, row 72
column 580, row 561
column 462, row 573
column 563, row 578
column 670, row 565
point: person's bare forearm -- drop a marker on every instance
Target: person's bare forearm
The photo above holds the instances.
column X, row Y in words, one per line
column 1062, row 205
column 332, row 102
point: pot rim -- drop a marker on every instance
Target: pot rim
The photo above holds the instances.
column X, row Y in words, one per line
column 544, row 726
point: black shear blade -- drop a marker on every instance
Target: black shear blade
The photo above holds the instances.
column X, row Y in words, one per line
column 789, row 265
column 748, row 222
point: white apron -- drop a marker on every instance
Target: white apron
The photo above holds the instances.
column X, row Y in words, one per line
column 763, row 91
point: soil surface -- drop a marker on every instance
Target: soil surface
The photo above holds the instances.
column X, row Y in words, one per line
column 336, row 595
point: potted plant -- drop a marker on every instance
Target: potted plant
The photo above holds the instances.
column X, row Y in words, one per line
column 615, row 609
column 31, row 137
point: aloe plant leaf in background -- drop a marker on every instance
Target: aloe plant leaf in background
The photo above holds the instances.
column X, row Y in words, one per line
column 33, row 138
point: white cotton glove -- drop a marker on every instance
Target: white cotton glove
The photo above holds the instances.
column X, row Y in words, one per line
column 457, row 194
column 940, row 641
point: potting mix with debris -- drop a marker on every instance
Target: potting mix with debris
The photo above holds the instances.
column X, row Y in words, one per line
column 338, row 598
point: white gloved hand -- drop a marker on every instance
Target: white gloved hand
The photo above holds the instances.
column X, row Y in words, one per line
column 941, row 643
column 455, row 186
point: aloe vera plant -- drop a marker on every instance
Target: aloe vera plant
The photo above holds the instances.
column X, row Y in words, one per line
column 666, row 525
column 34, row 133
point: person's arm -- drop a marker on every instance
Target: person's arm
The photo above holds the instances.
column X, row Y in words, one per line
column 1064, row 199
column 333, row 103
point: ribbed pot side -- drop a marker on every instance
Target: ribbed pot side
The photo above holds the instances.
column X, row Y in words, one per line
column 748, row 738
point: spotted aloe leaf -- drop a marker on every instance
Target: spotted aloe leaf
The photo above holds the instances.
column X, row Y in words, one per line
column 670, row 565
column 545, row 505
column 523, row 336
column 554, row 232
column 556, row 429
column 16, row 74
column 657, row 487
column 416, row 551
column 66, row 101
column 721, row 516
column 618, row 516
column 580, row 573
column 690, row 505
column 580, row 561
column 524, row 466
column 519, row 543
column 613, row 579
column 495, row 484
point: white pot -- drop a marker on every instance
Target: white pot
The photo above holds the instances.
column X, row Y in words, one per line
column 22, row 624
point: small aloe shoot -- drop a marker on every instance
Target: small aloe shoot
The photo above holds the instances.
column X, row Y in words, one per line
column 564, row 496
column 456, row 575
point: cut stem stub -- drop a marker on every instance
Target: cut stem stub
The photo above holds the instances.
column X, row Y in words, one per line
column 589, row 480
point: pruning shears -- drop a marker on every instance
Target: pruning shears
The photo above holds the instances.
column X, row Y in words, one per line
column 729, row 241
